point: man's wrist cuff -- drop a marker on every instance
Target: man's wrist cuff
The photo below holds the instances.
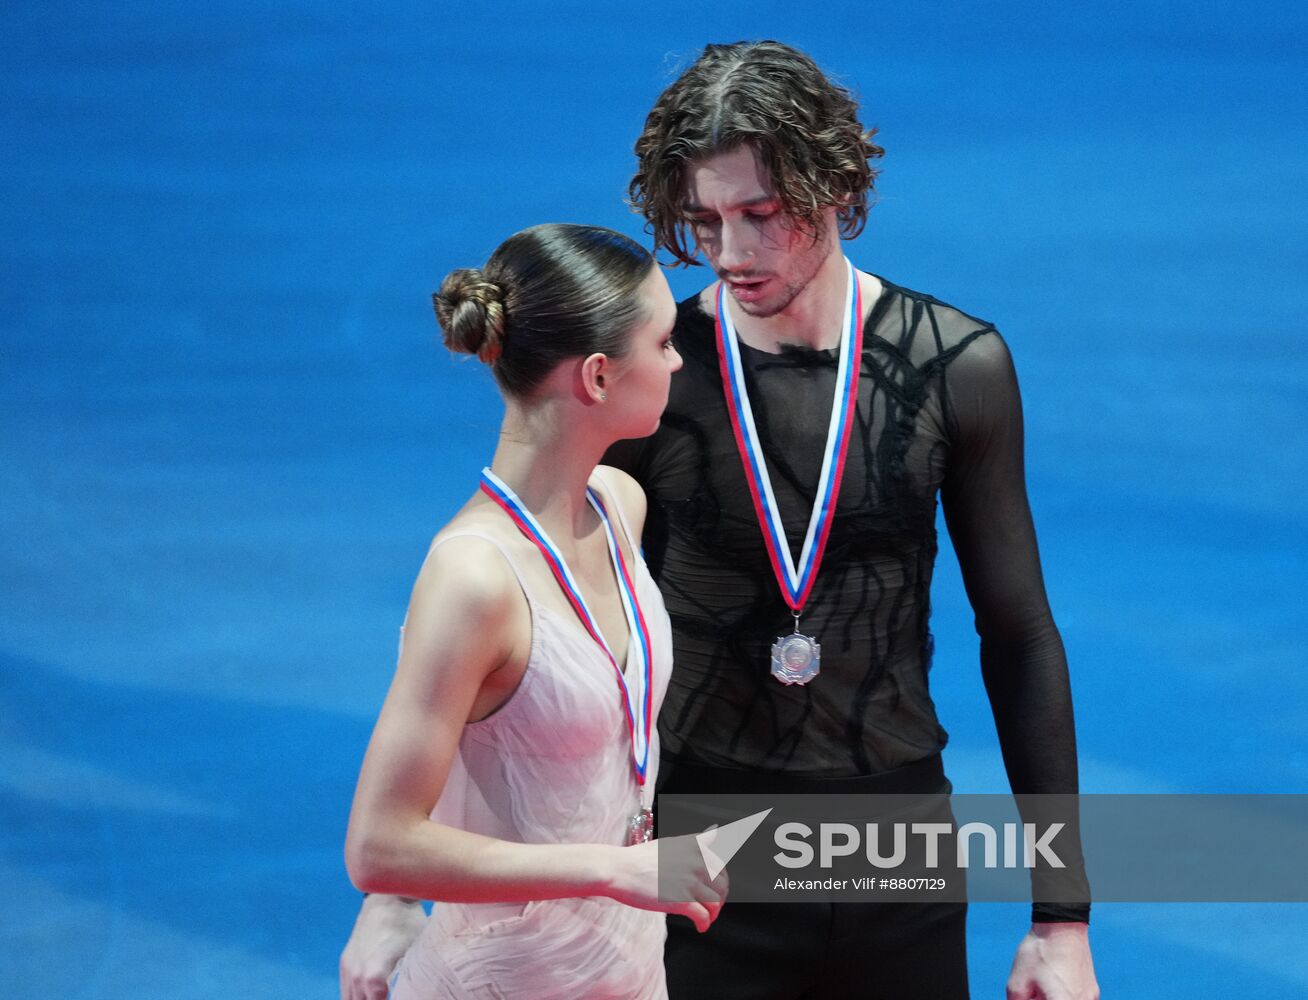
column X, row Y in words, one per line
column 1054, row 913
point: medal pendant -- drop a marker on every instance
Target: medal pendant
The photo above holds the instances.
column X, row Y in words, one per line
column 796, row 658
column 640, row 828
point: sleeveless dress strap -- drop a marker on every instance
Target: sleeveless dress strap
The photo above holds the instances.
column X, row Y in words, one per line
column 517, row 572
column 611, row 498
column 512, row 704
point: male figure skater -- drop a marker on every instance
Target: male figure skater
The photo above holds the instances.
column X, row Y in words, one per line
column 759, row 162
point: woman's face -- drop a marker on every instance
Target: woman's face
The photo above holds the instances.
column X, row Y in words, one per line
column 638, row 389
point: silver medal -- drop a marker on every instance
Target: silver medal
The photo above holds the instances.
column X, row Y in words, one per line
column 796, row 658
column 640, row 828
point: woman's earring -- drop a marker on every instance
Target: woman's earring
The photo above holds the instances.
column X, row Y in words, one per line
column 604, row 396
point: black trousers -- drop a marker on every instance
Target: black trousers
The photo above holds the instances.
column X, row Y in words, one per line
column 817, row 950
column 821, row 951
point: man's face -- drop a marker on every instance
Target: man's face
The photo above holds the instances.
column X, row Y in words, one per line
column 763, row 255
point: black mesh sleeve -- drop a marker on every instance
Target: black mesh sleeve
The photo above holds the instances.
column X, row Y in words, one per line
column 989, row 519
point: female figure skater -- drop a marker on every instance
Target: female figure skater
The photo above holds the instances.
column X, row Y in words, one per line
column 511, row 770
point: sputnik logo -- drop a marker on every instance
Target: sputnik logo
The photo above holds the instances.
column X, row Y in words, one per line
column 719, row 844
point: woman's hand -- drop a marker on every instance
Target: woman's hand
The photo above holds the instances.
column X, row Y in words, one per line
column 385, row 928
column 667, row 875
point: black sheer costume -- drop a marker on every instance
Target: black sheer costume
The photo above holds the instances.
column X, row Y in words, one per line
column 938, row 413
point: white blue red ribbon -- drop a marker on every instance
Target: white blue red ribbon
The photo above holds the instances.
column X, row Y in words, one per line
column 637, row 698
column 795, row 581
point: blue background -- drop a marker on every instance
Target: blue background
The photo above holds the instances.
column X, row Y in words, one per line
column 227, row 428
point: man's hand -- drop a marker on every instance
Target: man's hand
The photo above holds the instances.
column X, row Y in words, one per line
column 383, row 931
column 1053, row 963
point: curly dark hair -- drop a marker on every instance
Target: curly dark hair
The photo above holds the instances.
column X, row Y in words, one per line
column 776, row 99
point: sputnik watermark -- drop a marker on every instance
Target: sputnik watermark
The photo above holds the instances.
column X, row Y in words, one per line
column 992, row 847
column 843, row 840
column 1062, row 849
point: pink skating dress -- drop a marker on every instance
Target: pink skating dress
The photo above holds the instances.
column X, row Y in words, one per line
column 552, row 765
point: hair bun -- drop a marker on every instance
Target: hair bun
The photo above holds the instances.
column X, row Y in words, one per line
column 470, row 310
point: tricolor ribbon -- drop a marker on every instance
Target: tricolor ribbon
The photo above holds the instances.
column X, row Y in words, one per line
column 637, row 700
column 795, row 581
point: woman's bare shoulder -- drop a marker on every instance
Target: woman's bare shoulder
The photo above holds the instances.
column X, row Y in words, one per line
column 466, row 576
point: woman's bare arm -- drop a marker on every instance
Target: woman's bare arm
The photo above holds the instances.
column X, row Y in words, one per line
column 465, row 622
